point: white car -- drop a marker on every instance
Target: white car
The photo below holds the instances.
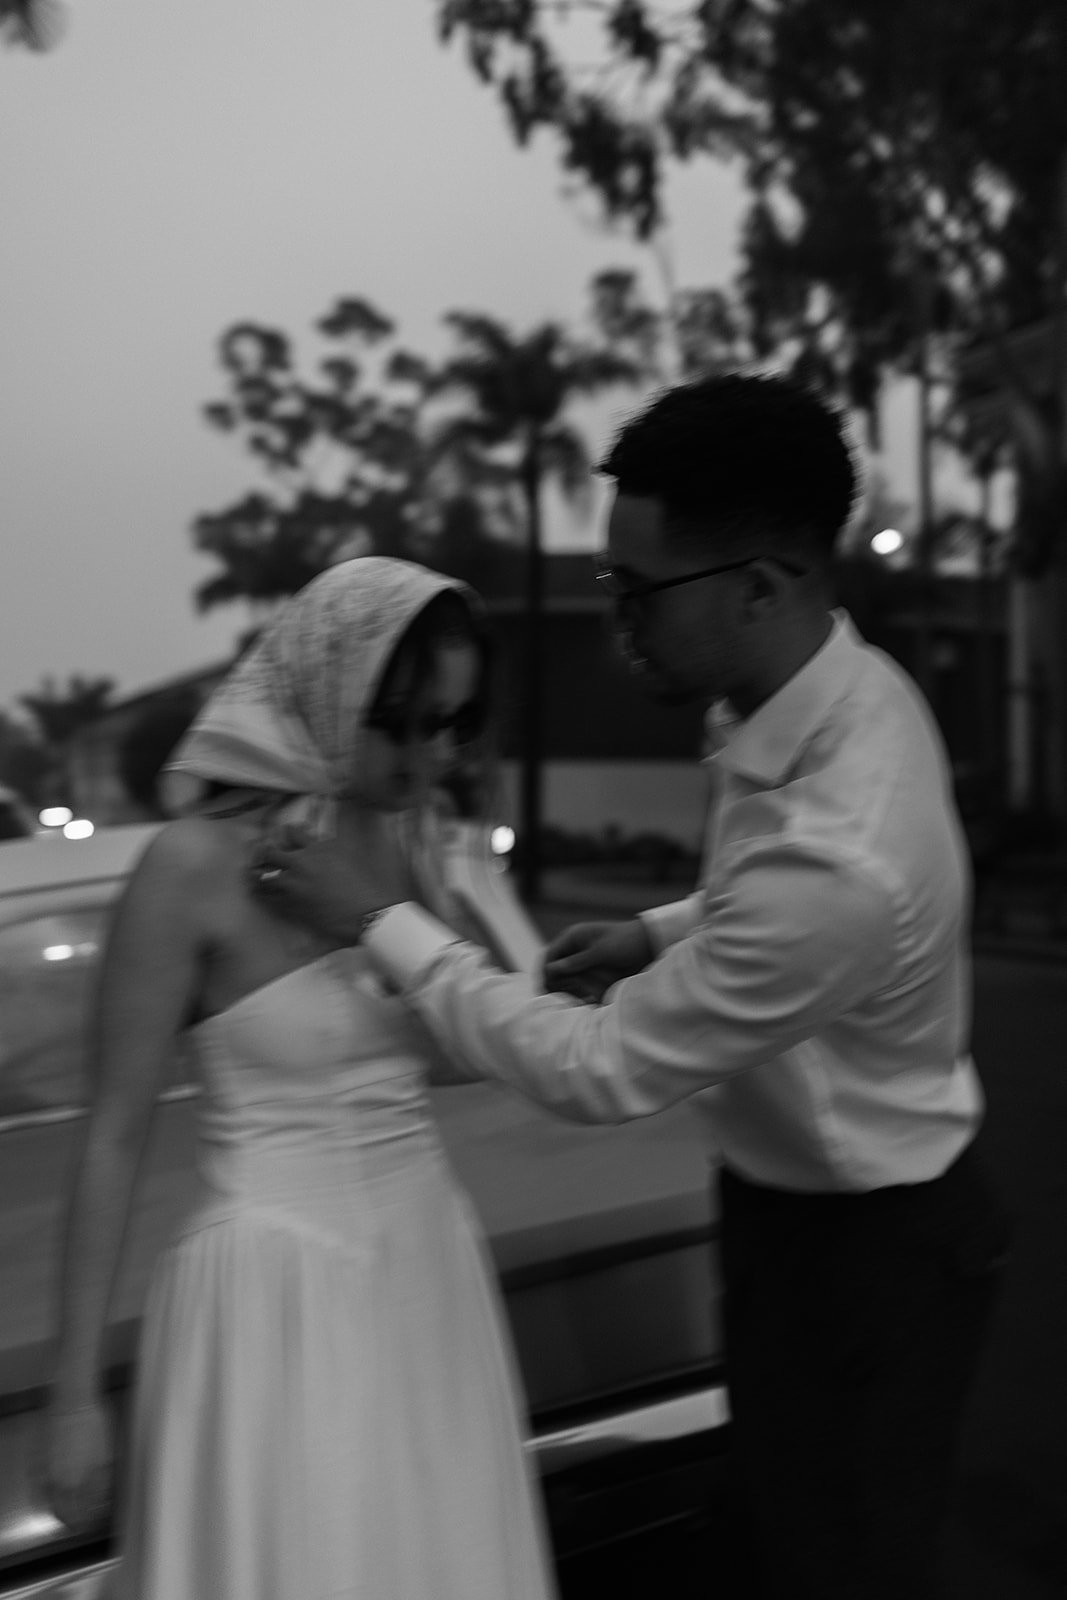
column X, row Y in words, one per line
column 600, row 1235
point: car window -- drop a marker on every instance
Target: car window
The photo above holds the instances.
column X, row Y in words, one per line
column 47, row 966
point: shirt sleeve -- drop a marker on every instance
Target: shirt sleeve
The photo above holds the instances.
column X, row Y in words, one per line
column 665, row 925
column 791, row 940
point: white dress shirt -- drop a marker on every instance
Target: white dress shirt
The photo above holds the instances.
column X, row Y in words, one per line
column 814, row 993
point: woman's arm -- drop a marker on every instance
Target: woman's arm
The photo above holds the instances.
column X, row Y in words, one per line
column 148, row 979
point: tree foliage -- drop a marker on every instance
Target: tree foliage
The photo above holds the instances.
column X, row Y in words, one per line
column 904, row 164
column 32, row 24
column 695, row 332
column 932, row 129
column 61, row 712
column 516, row 391
column 382, row 450
column 25, row 762
column 349, row 458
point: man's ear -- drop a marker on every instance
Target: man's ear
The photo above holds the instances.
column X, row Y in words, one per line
column 764, row 586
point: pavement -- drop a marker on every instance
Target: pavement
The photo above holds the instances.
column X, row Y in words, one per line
column 1008, row 1538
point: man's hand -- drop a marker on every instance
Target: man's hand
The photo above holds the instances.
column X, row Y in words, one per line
column 332, row 884
column 588, row 958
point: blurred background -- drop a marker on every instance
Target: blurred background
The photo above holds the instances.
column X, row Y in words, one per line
column 281, row 286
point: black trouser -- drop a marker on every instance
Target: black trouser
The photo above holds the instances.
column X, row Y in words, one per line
column 853, row 1323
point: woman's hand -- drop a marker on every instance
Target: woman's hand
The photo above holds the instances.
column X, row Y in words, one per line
column 78, row 1464
column 332, row 884
column 586, row 959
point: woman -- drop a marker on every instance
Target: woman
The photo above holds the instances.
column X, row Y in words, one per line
column 326, row 1401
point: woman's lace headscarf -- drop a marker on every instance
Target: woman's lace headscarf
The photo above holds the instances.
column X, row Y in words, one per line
column 289, row 718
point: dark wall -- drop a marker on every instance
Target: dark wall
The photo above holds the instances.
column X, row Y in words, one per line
column 592, row 708
column 968, row 693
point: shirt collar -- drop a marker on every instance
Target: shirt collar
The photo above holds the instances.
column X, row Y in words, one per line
column 765, row 745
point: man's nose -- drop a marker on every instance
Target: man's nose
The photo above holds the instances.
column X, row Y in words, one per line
column 625, row 610
column 626, row 616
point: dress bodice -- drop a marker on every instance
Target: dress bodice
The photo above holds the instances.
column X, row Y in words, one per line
column 312, row 1084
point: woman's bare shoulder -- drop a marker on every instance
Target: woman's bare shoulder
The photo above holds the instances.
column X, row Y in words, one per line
column 190, row 853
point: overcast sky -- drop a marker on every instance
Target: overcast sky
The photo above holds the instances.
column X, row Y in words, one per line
column 168, row 169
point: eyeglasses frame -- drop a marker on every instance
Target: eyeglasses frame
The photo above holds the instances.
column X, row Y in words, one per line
column 639, row 591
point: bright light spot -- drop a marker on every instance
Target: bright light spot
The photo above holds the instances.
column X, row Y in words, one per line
column 33, row 1526
column 502, row 840
column 888, row 542
column 80, row 828
column 55, row 817
column 68, row 952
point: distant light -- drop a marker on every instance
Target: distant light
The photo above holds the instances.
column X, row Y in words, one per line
column 67, row 952
column 31, row 1527
column 502, row 840
column 55, row 817
column 888, row 542
column 80, row 828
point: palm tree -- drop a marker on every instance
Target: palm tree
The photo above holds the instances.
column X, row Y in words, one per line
column 518, row 389
column 61, row 713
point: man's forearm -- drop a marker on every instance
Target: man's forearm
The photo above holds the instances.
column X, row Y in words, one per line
column 551, row 1047
column 559, row 1052
column 803, row 939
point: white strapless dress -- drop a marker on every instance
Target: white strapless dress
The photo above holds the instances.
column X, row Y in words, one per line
column 327, row 1404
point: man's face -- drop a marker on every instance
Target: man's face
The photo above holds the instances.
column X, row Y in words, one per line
column 685, row 643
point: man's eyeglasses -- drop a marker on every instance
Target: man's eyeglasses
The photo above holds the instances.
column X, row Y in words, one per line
column 618, row 589
column 395, row 721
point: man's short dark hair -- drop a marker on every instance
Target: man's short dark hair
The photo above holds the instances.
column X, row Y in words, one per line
column 743, row 456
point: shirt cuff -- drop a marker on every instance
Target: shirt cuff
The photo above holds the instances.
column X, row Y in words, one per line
column 665, row 925
column 404, row 941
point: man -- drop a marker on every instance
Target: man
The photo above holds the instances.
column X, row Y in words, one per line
column 814, row 992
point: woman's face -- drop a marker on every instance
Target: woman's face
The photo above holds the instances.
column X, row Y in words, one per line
column 399, row 768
